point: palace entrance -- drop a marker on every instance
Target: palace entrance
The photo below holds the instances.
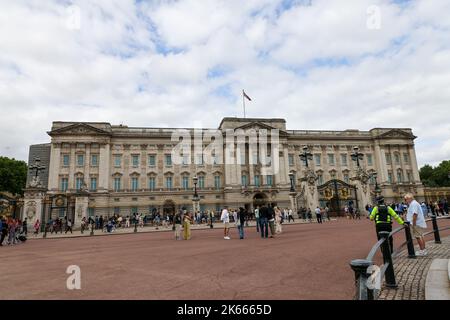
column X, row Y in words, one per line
column 168, row 207
column 336, row 194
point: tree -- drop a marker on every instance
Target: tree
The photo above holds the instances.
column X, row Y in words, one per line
column 13, row 175
column 436, row 177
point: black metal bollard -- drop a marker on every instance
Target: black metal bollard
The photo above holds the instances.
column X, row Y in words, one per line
column 437, row 237
column 135, row 227
column 45, row 232
column 360, row 267
column 409, row 241
column 387, row 258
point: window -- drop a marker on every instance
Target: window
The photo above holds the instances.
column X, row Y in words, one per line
column 317, row 159
column 406, row 158
column 152, row 160
column 135, row 161
column 369, row 160
column 64, row 184
column 344, row 160
column 151, row 183
column 134, row 210
column 134, row 184
column 409, row 175
column 397, row 158
column 116, row 210
column 66, row 160
column 117, row 184
column 256, row 178
column 244, row 180
column 168, row 159
column 117, row 160
column 399, row 176
column 78, row 183
column 169, row 183
column 94, row 160
column 269, row 180
column 320, row 179
column 185, row 182
column 93, row 184
column 242, row 158
column 388, row 158
column 91, row 212
column 62, row 212
column 331, row 159
column 80, row 160
column 390, row 177
column 217, row 182
column 201, row 182
column 185, row 160
column 291, row 159
column 346, row 178
column 199, row 159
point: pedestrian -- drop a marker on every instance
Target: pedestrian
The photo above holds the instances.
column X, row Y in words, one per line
column 240, row 221
column 446, row 208
column 309, row 215
column 290, row 216
column 384, row 216
column 69, row 226
column 225, row 218
column 37, row 225
column 83, row 224
column 187, row 220
column 12, row 225
column 3, row 230
column 319, row 215
column 278, row 220
column 271, row 220
column 177, row 225
column 327, row 213
column 418, row 224
column 25, row 226
column 257, row 218
column 263, row 221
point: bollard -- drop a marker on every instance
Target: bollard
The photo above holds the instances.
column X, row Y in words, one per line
column 387, row 258
column 92, row 229
column 437, row 237
column 45, row 232
column 409, row 241
column 135, row 227
column 360, row 267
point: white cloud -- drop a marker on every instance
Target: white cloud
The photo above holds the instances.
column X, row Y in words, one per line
column 171, row 63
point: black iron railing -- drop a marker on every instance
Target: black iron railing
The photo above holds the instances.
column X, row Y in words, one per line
column 368, row 278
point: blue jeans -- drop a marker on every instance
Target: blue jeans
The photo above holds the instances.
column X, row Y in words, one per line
column 257, row 224
column 241, row 231
column 264, row 227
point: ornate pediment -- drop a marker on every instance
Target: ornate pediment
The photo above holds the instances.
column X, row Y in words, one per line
column 78, row 129
column 258, row 126
column 396, row 134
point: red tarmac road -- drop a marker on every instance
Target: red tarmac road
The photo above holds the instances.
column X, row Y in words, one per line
column 307, row 261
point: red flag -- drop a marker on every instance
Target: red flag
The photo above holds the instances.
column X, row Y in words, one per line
column 245, row 95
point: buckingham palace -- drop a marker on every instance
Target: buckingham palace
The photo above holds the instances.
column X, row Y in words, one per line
column 91, row 168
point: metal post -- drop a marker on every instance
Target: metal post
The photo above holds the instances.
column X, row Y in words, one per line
column 409, row 241
column 387, row 258
column 360, row 267
column 437, row 237
column 92, row 229
column 135, row 225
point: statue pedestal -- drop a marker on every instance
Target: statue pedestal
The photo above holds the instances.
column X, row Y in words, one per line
column 364, row 197
column 33, row 208
column 81, row 210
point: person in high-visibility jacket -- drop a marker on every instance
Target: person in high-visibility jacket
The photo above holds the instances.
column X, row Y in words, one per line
column 384, row 216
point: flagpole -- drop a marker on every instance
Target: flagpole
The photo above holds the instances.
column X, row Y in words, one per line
column 243, row 101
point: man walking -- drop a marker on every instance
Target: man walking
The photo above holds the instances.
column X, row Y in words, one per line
column 417, row 220
column 263, row 214
column 3, row 230
column 383, row 216
column 257, row 218
column 319, row 215
column 25, row 226
column 177, row 225
column 290, row 216
column 271, row 219
column 240, row 220
column 225, row 217
column 69, row 226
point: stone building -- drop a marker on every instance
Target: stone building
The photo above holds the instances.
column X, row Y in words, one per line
column 104, row 169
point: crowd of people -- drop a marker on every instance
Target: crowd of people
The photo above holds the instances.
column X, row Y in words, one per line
column 13, row 231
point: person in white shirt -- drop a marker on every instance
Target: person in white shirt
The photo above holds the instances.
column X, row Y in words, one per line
column 417, row 220
column 225, row 217
column 319, row 215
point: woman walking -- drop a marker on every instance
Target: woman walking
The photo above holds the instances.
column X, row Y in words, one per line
column 187, row 226
column 177, row 225
column 278, row 220
column 37, row 225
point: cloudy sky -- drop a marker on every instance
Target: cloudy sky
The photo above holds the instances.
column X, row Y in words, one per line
column 320, row 64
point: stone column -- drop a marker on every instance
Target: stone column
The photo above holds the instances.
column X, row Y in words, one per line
column 292, row 196
column 413, row 161
column 104, row 168
column 53, row 170
column 380, row 161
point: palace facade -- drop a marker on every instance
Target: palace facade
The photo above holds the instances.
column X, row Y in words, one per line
column 103, row 169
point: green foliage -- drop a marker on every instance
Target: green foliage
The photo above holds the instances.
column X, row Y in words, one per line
column 436, row 176
column 13, row 175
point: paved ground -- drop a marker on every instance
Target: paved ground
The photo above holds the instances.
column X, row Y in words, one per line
column 308, row 261
column 412, row 273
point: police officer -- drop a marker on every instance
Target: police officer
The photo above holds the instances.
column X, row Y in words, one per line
column 383, row 216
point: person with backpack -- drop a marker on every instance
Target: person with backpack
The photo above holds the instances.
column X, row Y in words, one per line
column 384, row 216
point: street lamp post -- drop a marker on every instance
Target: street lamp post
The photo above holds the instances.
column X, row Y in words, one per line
column 356, row 156
column 377, row 187
column 291, row 177
column 305, row 156
column 195, row 199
